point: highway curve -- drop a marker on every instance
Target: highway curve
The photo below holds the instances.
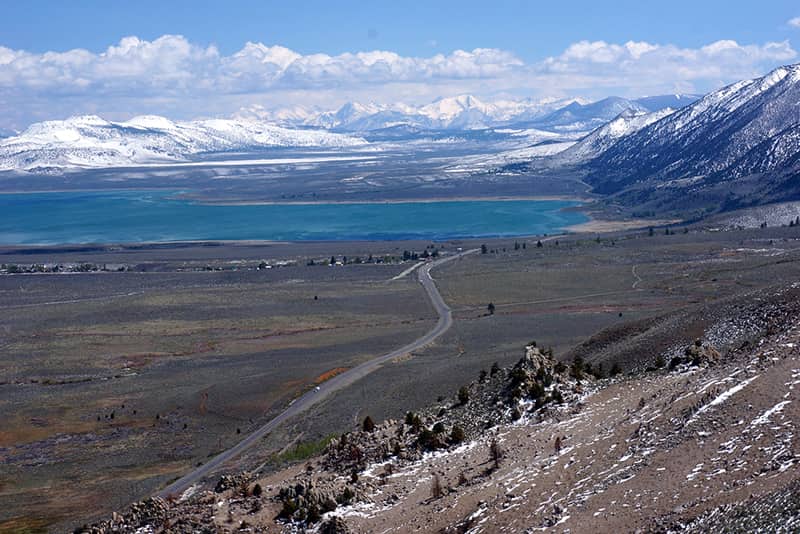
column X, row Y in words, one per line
column 336, row 383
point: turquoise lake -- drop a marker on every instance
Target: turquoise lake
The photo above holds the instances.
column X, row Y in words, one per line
column 149, row 216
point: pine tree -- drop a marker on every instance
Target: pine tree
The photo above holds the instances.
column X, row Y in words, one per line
column 368, row 425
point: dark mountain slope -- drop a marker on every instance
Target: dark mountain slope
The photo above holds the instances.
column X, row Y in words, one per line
column 739, row 145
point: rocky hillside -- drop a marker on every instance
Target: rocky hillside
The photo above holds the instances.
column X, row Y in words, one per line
column 703, row 439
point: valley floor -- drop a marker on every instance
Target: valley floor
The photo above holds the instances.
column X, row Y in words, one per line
column 119, row 382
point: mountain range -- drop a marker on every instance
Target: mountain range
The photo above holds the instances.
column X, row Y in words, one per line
column 737, row 146
column 466, row 112
column 90, row 141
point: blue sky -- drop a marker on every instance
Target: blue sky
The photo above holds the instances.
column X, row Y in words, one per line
column 63, row 58
column 530, row 29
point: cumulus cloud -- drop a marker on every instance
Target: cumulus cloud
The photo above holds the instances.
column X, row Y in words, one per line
column 173, row 76
column 171, row 63
column 648, row 67
column 795, row 22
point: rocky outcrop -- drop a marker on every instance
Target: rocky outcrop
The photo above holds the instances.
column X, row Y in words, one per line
column 697, row 354
column 153, row 511
column 227, row 482
column 535, row 382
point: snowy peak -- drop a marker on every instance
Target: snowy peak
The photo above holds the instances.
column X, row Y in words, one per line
column 150, row 122
column 90, row 141
column 584, row 117
column 467, row 112
column 445, row 109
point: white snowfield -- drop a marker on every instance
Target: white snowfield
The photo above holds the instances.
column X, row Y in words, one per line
column 90, row 141
column 602, row 138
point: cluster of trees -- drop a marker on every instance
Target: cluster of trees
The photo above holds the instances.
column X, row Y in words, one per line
column 517, row 246
column 581, row 368
column 12, row 268
column 425, row 254
column 667, row 231
column 436, row 437
column 430, row 251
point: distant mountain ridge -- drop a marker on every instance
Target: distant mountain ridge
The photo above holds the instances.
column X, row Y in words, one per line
column 90, row 141
column 467, row 112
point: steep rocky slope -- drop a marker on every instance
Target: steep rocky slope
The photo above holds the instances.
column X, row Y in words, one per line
column 740, row 144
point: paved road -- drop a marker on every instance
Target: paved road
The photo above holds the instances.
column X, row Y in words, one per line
column 334, row 384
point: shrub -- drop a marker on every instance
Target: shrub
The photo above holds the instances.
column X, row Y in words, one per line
column 495, row 453
column 457, row 434
column 518, row 376
column 600, row 372
column 368, row 425
column 463, row 395
column 346, row 497
column 426, row 439
column 536, row 391
column 414, row 421
column 288, row 510
column 577, row 368
column 438, row 428
column 436, row 487
column 313, row 515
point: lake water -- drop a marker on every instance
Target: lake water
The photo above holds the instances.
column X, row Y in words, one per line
column 149, row 216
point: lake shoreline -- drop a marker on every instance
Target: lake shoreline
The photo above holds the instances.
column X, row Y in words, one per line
column 432, row 200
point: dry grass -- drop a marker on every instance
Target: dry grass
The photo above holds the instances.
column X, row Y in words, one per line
column 327, row 375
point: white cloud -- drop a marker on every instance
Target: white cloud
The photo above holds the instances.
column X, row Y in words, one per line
column 647, row 68
column 795, row 22
column 173, row 76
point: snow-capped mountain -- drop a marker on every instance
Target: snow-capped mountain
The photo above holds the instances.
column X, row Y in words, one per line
column 467, row 112
column 585, row 117
column 462, row 112
column 601, row 139
column 748, row 129
column 90, row 141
